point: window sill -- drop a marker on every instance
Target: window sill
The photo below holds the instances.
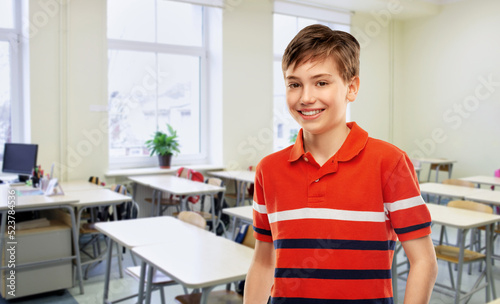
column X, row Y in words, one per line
column 158, row 170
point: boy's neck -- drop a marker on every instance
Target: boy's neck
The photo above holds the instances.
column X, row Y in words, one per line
column 324, row 146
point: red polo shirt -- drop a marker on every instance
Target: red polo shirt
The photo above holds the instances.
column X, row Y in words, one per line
column 334, row 227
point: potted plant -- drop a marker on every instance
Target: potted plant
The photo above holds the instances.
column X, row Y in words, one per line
column 164, row 145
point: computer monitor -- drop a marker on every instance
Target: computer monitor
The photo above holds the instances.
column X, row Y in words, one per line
column 19, row 159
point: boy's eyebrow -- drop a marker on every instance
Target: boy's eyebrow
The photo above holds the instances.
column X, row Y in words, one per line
column 292, row 77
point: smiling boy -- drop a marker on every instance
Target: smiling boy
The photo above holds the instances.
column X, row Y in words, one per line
column 329, row 209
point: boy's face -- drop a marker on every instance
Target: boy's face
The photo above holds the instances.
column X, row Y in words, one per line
column 317, row 96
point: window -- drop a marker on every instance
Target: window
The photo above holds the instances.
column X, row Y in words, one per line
column 288, row 20
column 11, row 109
column 156, row 76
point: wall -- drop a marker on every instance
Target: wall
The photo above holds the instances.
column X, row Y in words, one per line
column 449, row 104
column 68, row 77
column 247, row 83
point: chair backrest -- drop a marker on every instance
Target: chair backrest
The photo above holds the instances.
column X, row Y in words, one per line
column 470, row 205
column 445, row 168
column 94, row 180
column 192, row 175
column 497, row 173
column 458, row 182
column 192, row 218
column 249, row 239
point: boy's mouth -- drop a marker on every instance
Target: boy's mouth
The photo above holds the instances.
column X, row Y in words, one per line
column 310, row 112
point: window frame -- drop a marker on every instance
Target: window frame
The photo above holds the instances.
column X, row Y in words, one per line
column 202, row 52
column 20, row 129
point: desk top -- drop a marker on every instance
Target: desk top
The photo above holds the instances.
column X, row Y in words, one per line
column 437, row 161
column 485, row 196
column 447, row 190
column 79, row 185
column 33, row 201
column 176, row 185
column 239, row 175
column 200, row 260
column 460, row 218
column 147, row 231
column 480, row 179
column 245, row 212
column 97, row 197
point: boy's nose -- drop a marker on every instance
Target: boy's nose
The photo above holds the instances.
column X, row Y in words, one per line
column 308, row 96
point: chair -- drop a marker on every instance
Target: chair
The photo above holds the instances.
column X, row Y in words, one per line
column 440, row 168
column 175, row 201
column 244, row 191
column 450, row 253
column 218, row 204
column 226, row 296
column 458, row 182
column 125, row 211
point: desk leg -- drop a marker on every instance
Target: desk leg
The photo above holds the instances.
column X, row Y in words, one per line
column 460, row 265
column 76, row 246
column 214, row 224
column 489, row 274
column 149, row 283
column 142, row 279
column 205, row 292
column 108, row 271
column 118, row 247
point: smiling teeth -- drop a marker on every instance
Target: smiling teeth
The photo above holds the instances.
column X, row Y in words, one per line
column 308, row 113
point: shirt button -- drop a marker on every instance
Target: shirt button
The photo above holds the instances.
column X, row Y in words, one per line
column 316, row 180
column 306, row 159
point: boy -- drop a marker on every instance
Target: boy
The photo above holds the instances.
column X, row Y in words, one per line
column 328, row 209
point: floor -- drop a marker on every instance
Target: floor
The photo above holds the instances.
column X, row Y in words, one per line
column 121, row 287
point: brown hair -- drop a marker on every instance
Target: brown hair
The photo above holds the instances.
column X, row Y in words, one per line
column 318, row 42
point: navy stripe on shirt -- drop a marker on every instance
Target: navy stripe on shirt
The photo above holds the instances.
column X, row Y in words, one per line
column 335, row 274
column 412, row 228
column 262, row 231
column 333, row 244
column 329, row 301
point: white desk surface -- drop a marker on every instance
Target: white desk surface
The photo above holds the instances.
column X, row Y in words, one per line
column 447, row 190
column 97, row 197
column 246, row 176
column 244, row 212
column 485, row 196
column 437, row 161
column 79, row 185
column 147, row 231
column 34, row 201
column 480, row 179
column 200, row 260
column 175, row 185
column 460, row 218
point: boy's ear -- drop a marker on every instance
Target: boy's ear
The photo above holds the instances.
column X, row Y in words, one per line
column 353, row 88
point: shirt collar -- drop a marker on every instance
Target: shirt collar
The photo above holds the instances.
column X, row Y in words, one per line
column 352, row 146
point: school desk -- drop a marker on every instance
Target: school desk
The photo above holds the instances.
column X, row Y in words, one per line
column 177, row 186
column 40, row 202
column 155, row 230
column 453, row 191
column 199, row 260
column 79, row 185
column 439, row 163
column 483, row 180
column 242, row 178
column 465, row 220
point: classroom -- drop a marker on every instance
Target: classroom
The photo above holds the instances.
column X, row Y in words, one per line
column 429, row 84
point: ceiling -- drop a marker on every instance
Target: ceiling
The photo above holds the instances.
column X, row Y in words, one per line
column 405, row 8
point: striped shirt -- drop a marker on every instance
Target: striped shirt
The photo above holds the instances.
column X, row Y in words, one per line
column 334, row 227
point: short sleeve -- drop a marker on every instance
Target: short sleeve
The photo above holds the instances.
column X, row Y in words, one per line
column 261, row 227
column 406, row 208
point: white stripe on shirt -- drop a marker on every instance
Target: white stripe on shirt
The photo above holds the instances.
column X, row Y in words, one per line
column 325, row 213
column 259, row 208
column 405, row 203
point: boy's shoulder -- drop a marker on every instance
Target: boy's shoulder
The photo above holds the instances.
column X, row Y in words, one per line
column 277, row 158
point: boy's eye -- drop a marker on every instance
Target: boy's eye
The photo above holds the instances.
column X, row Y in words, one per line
column 321, row 83
column 293, row 85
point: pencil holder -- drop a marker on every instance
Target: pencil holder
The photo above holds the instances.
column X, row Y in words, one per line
column 35, row 181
